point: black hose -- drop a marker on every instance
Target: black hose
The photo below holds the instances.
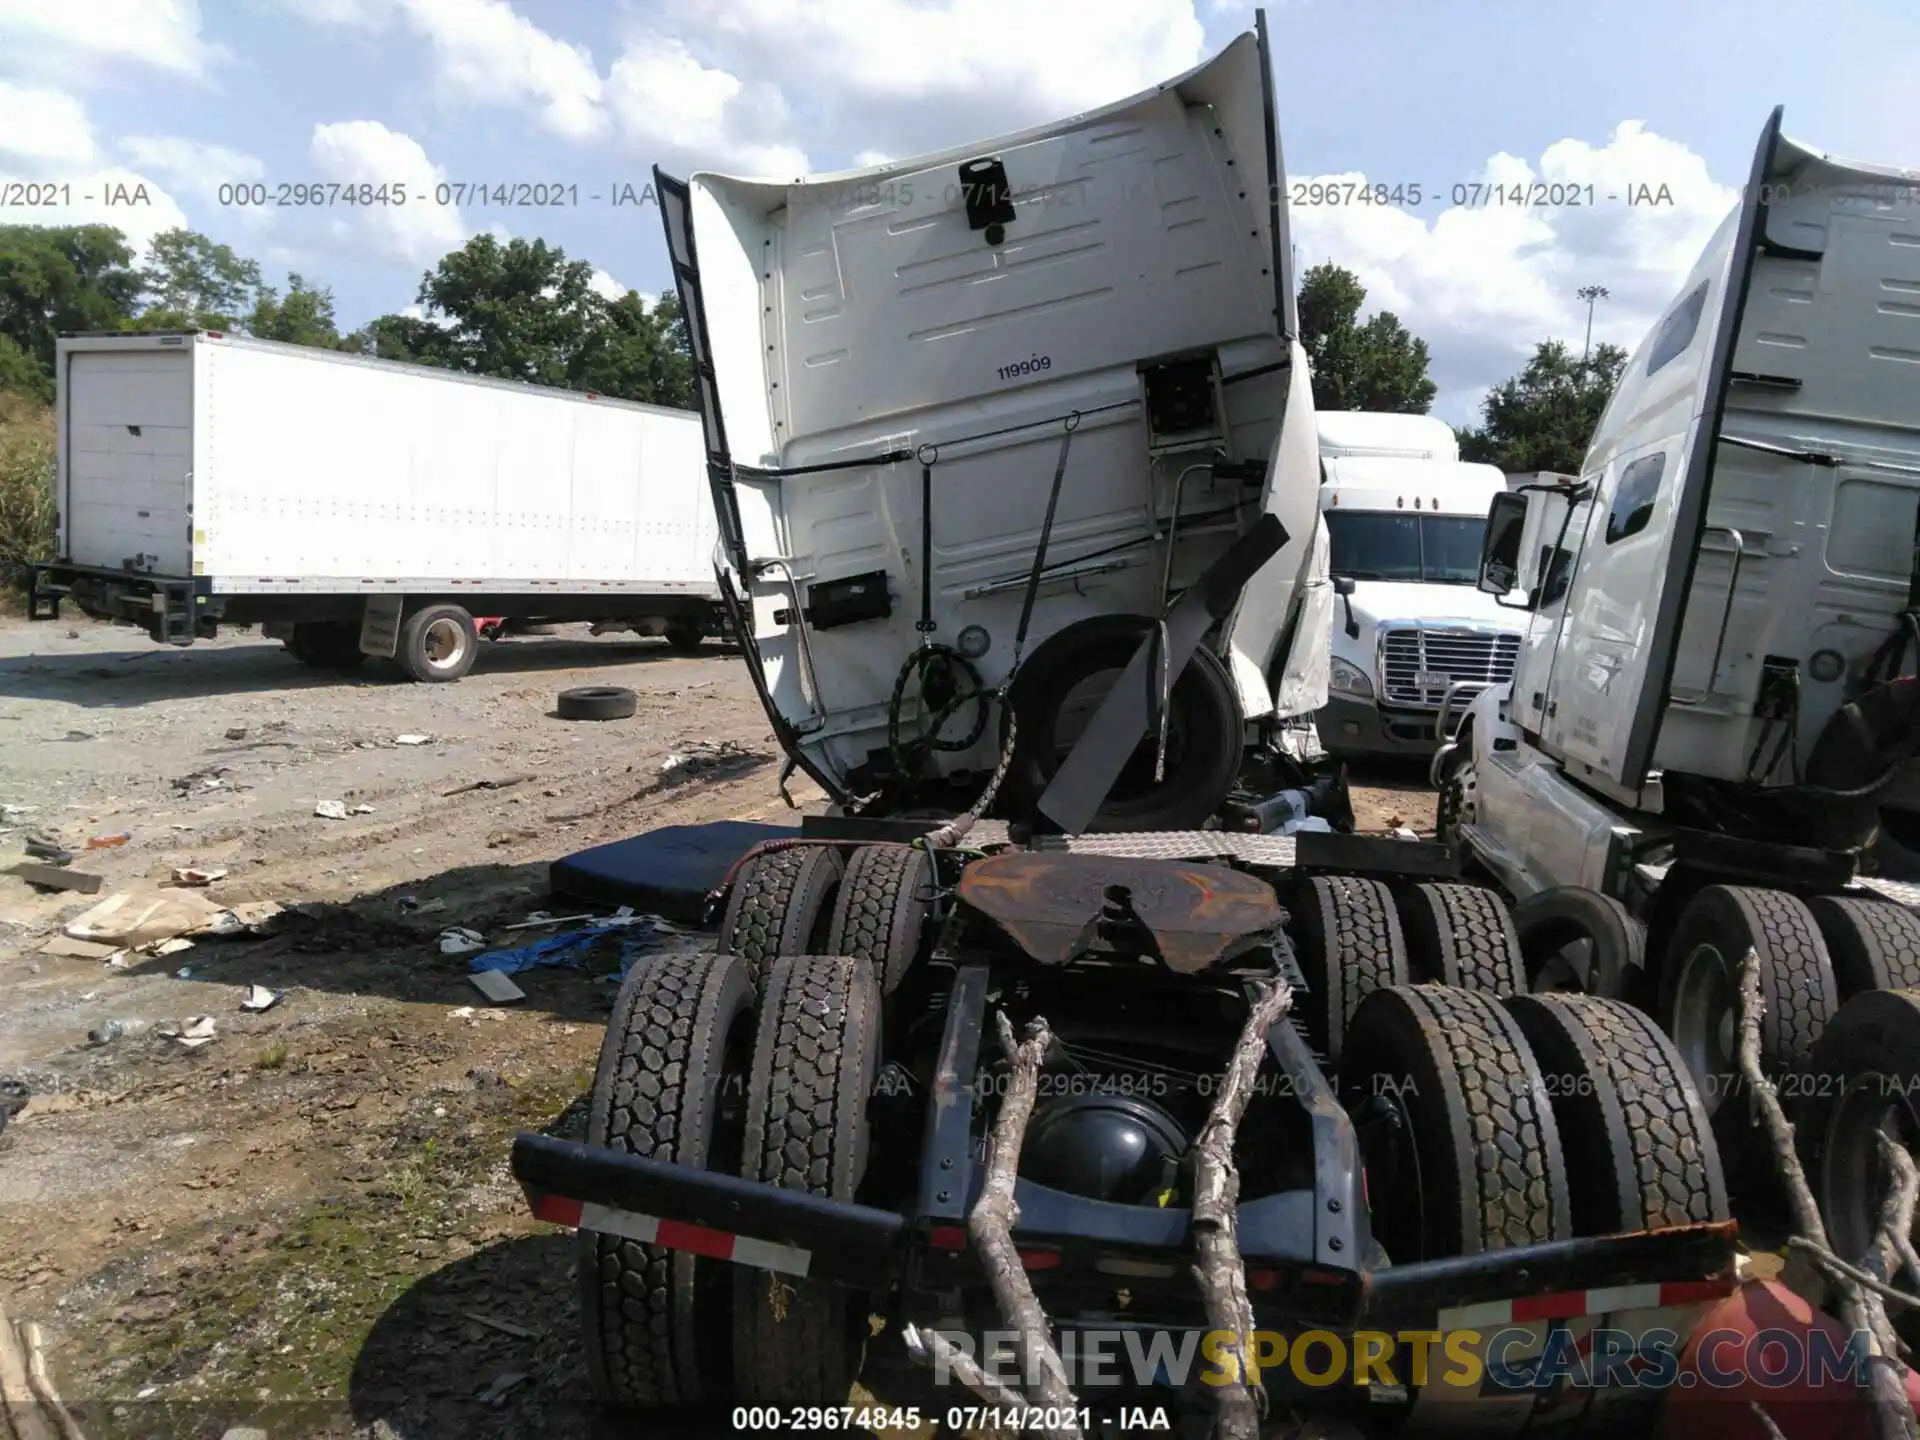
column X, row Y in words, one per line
column 926, row 662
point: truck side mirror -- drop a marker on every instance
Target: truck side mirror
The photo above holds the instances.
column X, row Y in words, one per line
column 1500, row 547
column 1343, row 585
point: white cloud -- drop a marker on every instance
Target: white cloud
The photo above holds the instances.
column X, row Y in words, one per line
column 870, row 159
column 359, row 152
column 490, row 54
column 192, row 164
column 63, row 35
column 605, row 286
column 671, row 106
column 1483, row 284
column 43, row 127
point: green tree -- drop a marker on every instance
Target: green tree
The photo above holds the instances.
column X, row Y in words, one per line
column 56, row 278
column 523, row 311
column 303, row 317
column 1544, row 417
column 1373, row 366
column 192, row 281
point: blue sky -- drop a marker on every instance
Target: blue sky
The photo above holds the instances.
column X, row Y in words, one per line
column 185, row 97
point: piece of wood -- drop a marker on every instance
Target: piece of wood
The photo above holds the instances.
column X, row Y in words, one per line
column 42, row 1382
column 20, row 1411
column 929, row 1346
column 505, row 1327
column 497, row 987
column 1861, row 1309
column 994, row 1214
column 1241, row 1401
column 71, row 948
column 58, row 877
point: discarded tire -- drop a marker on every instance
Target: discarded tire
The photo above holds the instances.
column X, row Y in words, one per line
column 1572, row 938
column 880, row 914
column 1639, row 1149
column 799, row 1341
column 1349, row 945
column 437, row 644
column 1700, row 988
column 1867, row 1073
column 596, row 702
column 1874, row 943
column 1462, row 935
column 655, row 1320
column 780, row 904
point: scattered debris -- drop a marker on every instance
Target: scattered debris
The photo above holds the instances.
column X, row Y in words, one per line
column 185, row 972
column 412, row 739
column 168, row 947
column 259, row 997
column 51, row 851
column 112, row 1030
column 570, row 948
column 197, row 877
column 497, row 1392
column 255, row 917
column 109, row 842
column 1401, row 832
column 245, row 1432
column 190, row 1033
column 78, row 949
column 361, row 810
column 57, row 877
column 14, row 1096
column 331, row 809
column 11, row 813
column 462, row 1012
column 236, row 732
column 703, row 757
column 496, row 987
column 502, row 784
column 131, row 919
column 461, row 941
column 505, row 1327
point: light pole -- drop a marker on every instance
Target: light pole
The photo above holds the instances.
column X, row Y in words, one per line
column 1590, row 293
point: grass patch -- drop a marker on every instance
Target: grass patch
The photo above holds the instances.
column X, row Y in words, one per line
column 274, row 1057
column 26, row 487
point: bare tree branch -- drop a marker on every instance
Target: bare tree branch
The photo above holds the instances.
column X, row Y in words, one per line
column 995, row 1214
column 927, row 1346
column 1219, row 1270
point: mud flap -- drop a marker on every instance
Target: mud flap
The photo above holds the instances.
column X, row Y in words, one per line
column 380, row 625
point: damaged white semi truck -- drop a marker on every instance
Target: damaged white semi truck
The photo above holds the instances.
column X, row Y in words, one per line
column 1057, row 1022
column 1714, row 714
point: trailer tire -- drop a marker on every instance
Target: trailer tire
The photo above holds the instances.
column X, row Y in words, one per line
column 596, row 702
column 326, row 644
column 1462, row 935
column 655, row 1320
column 799, row 1341
column 1204, row 705
column 1640, row 1151
column 1552, row 921
column 1700, row 987
column 1474, row 1116
column 1869, row 1064
column 1350, row 945
column 780, row 904
column 684, row 637
column 438, row 644
column 880, row 914
column 1874, row 943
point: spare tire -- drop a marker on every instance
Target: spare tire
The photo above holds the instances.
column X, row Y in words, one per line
column 596, row 702
column 1058, row 689
column 1584, row 937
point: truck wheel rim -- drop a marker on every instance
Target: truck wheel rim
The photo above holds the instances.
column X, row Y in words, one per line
column 1703, row 1023
column 1853, row 1180
column 445, row 644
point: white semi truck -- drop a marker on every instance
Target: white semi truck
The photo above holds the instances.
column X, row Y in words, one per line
column 356, row 507
column 1405, row 515
column 1714, row 711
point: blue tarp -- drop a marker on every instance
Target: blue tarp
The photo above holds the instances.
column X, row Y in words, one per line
column 572, row 947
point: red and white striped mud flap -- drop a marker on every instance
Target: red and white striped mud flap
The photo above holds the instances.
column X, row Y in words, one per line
column 1525, row 1325
column 673, row 1234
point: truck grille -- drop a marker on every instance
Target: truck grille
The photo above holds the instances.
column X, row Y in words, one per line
column 1412, row 661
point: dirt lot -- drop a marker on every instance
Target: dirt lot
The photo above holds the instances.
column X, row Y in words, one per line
column 307, row 1224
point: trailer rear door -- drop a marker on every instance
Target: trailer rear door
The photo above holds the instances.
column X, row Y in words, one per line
column 127, row 461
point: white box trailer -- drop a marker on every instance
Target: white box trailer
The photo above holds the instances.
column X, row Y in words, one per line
column 354, row 506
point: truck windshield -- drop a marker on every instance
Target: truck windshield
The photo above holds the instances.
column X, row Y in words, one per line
column 1378, row 545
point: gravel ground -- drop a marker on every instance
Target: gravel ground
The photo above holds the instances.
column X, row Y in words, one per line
column 294, row 1225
